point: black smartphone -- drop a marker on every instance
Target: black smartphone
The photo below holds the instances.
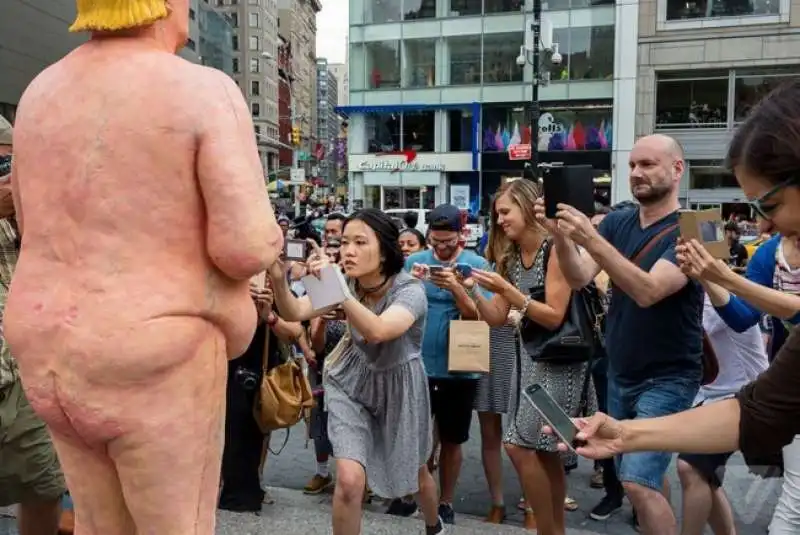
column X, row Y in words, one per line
column 568, row 184
column 295, row 250
column 554, row 415
column 436, row 270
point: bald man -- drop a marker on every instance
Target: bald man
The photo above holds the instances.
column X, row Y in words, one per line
column 654, row 329
column 143, row 211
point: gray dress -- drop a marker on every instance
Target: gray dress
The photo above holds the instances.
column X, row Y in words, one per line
column 564, row 382
column 378, row 402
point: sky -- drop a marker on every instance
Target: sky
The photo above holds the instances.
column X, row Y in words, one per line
column 332, row 24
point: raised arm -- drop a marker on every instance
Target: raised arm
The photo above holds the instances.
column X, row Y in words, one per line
column 243, row 238
column 578, row 267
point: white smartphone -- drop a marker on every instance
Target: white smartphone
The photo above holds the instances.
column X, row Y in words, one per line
column 554, row 415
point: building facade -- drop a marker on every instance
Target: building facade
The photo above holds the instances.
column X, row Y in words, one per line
column 702, row 66
column 438, row 81
column 328, row 123
column 341, row 73
column 255, row 44
column 285, row 82
column 212, row 36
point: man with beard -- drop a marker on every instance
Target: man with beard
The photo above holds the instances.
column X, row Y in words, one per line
column 654, row 329
column 452, row 394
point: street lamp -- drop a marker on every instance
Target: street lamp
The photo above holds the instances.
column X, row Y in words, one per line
column 542, row 45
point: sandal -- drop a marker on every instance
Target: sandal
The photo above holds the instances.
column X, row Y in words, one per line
column 570, row 504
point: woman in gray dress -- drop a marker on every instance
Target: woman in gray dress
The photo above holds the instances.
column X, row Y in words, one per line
column 521, row 268
column 376, row 390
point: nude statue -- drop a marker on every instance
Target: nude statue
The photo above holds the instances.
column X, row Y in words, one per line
column 143, row 212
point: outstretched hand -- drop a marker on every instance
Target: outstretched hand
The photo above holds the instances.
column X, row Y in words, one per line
column 317, row 260
column 602, row 437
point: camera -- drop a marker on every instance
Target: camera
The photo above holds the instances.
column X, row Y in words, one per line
column 247, row 379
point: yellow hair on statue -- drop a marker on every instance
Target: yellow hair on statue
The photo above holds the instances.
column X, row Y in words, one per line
column 115, row 15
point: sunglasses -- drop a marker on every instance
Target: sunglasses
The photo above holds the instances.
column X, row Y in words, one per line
column 760, row 205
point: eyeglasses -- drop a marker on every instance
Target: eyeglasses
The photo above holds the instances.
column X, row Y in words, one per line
column 451, row 242
column 765, row 212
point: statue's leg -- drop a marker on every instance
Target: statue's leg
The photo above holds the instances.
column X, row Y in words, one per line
column 95, row 489
column 169, row 462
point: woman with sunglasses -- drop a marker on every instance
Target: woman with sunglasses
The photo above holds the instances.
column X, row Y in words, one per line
column 765, row 416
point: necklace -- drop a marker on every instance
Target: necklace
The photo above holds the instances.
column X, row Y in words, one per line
column 373, row 289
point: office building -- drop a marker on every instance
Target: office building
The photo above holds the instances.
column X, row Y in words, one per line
column 439, row 81
column 327, row 121
column 702, row 66
column 340, row 71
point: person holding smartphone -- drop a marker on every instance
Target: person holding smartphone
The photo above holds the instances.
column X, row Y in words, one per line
column 374, row 437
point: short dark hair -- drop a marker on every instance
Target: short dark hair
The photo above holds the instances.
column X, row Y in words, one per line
column 336, row 216
column 768, row 142
column 388, row 238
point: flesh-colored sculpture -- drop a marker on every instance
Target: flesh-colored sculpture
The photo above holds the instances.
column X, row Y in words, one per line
column 143, row 211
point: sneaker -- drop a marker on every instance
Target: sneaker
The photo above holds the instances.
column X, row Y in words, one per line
column 438, row 529
column 446, row 513
column 400, row 507
column 607, row 507
column 596, row 481
column 318, row 484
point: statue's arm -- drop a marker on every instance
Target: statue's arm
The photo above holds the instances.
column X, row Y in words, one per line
column 242, row 236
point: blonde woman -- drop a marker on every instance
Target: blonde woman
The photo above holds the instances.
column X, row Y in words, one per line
column 524, row 264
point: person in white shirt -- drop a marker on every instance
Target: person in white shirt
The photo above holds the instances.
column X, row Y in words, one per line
column 742, row 357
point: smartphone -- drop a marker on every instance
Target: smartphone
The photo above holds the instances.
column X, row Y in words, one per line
column 295, row 250
column 464, row 270
column 568, row 184
column 554, row 415
column 436, row 270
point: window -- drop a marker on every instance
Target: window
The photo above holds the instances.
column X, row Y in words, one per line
column 709, row 174
column 253, row 2
column 704, row 9
column 383, row 132
column 235, row 42
column 465, row 59
column 572, row 128
column 465, row 8
column 234, row 19
column 190, row 44
column 459, row 130
column 383, row 64
column 234, row 2
column 255, row 88
column 561, row 72
column 380, row 11
column 751, row 86
column 419, row 9
column 192, row 14
column 253, row 20
column 591, row 53
column 235, row 65
column 504, row 125
column 692, row 100
column 417, row 128
column 258, row 130
column 420, row 64
column 255, row 107
column 254, row 65
column 500, row 53
column 503, row 6
column 254, row 42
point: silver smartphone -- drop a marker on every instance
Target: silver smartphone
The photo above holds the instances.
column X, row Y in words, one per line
column 554, row 415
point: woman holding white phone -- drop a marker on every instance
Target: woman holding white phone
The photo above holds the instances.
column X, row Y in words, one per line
column 376, row 389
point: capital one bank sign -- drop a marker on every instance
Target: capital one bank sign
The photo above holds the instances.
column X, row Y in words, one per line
column 403, row 161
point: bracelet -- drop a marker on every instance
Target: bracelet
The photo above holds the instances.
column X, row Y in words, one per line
column 525, row 304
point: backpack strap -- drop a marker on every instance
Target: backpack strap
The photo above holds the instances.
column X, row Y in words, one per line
column 652, row 242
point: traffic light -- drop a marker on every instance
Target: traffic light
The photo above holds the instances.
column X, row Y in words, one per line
column 295, row 135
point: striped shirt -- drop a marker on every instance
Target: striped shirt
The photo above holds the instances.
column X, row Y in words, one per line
column 786, row 279
column 9, row 252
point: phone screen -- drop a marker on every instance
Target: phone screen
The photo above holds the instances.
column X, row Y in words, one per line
column 295, row 250
column 436, row 269
column 555, row 415
column 465, row 270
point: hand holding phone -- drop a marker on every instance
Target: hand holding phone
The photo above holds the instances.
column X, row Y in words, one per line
column 559, row 421
column 569, row 184
column 463, row 270
column 295, row 250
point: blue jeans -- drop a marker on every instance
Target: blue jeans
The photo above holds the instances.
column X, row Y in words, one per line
column 650, row 398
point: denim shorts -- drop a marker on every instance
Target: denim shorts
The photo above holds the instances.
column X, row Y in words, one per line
column 648, row 399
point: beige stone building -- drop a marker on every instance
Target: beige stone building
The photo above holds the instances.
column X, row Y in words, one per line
column 298, row 25
column 701, row 66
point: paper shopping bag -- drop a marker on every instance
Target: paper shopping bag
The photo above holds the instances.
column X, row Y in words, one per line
column 469, row 347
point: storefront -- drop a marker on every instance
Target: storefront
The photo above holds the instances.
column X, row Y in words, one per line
column 572, row 133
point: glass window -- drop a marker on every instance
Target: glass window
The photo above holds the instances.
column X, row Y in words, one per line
column 253, row 18
column 419, row 9
column 503, row 6
column 504, row 125
column 235, row 65
column 703, row 9
column 255, row 107
column 465, row 59
column 459, row 130
column 253, row 42
column 463, row 8
column 696, row 102
column 570, row 128
column 560, row 73
column 383, row 132
column 584, row 3
column 420, row 64
column 555, row 5
column 255, row 88
column 710, row 175
column 418, row 131
column 235, row 42
column 591, row 53
column 500, row 53
column 380, row 11
column 372, row 197
column 383, row 64
column 254, row 65
column 750, row 87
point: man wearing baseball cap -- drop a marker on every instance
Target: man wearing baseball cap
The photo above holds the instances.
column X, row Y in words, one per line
column 29, row 467
column 452, row 394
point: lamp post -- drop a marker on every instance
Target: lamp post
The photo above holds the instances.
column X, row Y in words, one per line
column 543, row 52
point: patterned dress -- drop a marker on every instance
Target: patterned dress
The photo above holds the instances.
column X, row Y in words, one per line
column 494, row 388
column 564, row 382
